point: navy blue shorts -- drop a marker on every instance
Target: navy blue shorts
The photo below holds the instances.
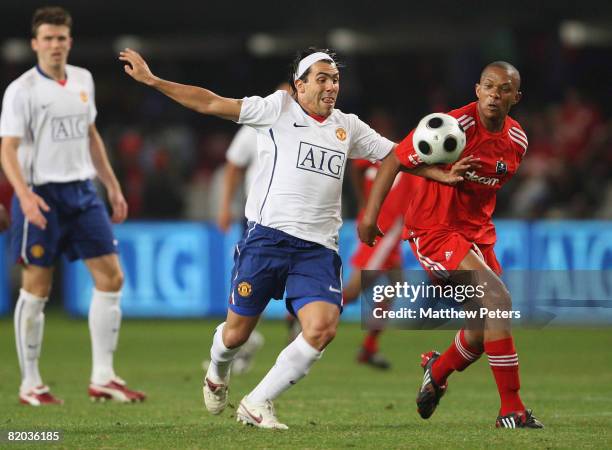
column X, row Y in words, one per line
column 78, row 226
column 268, row 262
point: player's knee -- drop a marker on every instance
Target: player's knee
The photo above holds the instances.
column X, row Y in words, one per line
column 111, row 282
column 499, row 297
column 234, row 337
column 320, row 335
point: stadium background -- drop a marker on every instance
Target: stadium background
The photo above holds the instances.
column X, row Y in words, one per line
column 404, row 64
column 401, row 62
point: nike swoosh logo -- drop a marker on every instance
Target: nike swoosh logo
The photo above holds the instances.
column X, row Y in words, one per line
column 333, row 289
column 255, row 418
column 299, row 126
column 46, row 106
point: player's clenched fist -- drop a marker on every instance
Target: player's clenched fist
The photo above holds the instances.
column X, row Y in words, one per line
column 136, row 66
column 368, row 232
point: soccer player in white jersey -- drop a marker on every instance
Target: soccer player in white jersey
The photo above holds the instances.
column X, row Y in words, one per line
column 293, row 209
column 241, row 158
column 51, row 150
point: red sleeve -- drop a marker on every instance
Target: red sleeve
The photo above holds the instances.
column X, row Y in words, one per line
column 519, row 139
column 406, row 154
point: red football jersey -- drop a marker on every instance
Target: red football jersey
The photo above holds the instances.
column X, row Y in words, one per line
column 394, row 205
column 468, row 207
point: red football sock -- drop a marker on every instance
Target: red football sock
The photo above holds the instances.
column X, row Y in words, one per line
column 370, row 342
column 504, row 364
column 456, row 357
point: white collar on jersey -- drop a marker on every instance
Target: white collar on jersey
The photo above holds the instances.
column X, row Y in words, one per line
column 309, row 60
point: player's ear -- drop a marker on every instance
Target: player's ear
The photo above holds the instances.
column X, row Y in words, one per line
column 477, row 90
column 34, row 44
column 517, row 97
column 299, row 86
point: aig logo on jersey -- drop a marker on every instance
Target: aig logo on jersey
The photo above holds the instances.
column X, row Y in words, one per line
column 69, row 127
column 324, row 161
column 501, row 168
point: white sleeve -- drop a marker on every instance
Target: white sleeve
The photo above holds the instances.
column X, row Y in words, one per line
column 15, row 114
column 93, row 111
column 261, row 112
column 243, row 147
column 367, row 143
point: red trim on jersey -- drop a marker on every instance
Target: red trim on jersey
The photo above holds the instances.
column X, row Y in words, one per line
column 318, row 118
column 63, row 82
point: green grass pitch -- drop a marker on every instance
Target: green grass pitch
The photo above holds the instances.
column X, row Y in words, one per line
column 566, row 378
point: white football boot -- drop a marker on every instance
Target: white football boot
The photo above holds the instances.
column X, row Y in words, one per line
column 261, row 415
column 215, row 394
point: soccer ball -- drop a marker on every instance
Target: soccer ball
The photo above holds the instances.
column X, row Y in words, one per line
column 438, row 138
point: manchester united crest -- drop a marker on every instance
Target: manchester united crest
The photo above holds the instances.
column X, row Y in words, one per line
column 244, row 289
column 37, row 251
column 84, row 96
column 341, row 134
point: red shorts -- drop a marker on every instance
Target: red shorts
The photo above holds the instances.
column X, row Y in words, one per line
column 440, row 252
column 385, row 255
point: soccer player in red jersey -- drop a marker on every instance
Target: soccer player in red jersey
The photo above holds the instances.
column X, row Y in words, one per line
column 449, row 227
column 385, row 255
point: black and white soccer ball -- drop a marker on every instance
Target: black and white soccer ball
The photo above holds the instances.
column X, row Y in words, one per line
column 438, row 138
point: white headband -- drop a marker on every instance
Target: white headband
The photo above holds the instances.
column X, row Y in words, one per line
column 309, row 61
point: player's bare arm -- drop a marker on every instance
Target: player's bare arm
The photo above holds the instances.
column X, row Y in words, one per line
column 232, row 177
column 451, row 177
column 31, row 204
column 357, row 175
column 105, row 172
column 368, row 229
column 5, row 220
column 193, row 97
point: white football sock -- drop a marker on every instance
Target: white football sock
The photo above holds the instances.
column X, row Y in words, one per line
column 221, row 357
column 292, row 364
column 104, row 323
column 29, row 325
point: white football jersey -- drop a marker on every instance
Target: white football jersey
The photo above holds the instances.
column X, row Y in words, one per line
column 301, row 165
column 53, row 123
column 242, row 152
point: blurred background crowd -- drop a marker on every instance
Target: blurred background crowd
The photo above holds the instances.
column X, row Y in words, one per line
column 170, row 160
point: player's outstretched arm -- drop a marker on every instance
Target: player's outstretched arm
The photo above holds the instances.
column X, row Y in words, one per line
column 368, row 229
column 193, row 97
column 31, row 204
column 451, row 177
